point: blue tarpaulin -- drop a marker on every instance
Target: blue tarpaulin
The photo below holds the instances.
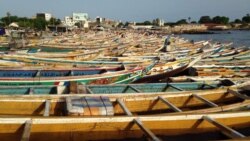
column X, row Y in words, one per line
column 2, row 31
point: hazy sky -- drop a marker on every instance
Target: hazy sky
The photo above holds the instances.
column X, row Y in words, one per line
column 129, row 10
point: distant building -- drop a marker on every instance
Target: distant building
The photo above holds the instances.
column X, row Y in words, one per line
column 68, row 21
column 99, row 20
column 160, row 22
column 46, row 16
column 81, row 18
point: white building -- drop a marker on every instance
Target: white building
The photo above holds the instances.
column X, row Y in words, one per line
column 69, row 21
column 160, row 22
column 81, row 18
column 46, row 16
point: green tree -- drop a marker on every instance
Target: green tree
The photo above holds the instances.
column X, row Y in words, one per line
column 8, row 16
column 147, row 23
column 237, row 21
column 189, row 19
column 78, row 24
column 54, row 21
column 205, row 19
column 246, row 19
column 194, row 22
column 126, row 24
column 120, row 24
column 220, row 20
column 182, row 21
column 40, row 24
column 9, row 19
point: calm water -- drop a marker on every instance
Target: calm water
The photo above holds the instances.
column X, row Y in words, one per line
column 239, row 38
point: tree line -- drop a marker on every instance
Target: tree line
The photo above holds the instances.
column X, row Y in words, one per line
column 34, row 23
column 203, row 20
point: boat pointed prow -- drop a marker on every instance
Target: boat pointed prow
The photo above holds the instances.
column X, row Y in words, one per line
column 195, row 61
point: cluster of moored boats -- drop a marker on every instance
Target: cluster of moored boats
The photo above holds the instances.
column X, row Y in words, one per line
column 124, row 86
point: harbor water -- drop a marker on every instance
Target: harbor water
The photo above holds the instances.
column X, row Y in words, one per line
column 238, row 37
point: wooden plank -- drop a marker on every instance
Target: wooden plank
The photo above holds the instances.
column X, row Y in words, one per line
column 71, row 73
column 31, row 91
column 205, row 84
column 176, row 87
column 205, row 100
column 229, row 132
column 237, row 94
column 47, row 108
column 170, row 105
column 26, row 131
column 73, row 87
column 146, row 131
column 89, row 90
column 60, row 89
column 135, row 89
column 123, row 106
column 38, row 73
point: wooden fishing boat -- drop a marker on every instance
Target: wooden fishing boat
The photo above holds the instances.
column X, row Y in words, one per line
column 85, row 56
column 147, row 87
column 108, row 104
column 55, row 72
column 177, row 127
column 74, row 88
column 244, row 72
column 161, row 73
column 37, row 60
column 224, row 80
column 241, row 56
column 125, row 76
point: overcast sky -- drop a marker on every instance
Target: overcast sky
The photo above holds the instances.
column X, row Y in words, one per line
column 129, row 10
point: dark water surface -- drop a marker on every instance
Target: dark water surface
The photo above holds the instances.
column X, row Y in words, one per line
column 238, row 37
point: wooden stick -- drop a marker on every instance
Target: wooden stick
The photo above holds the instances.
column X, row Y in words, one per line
column 89, row 90
column 176, row 87
column 170, row 105
column 31, row 91
column 237, row 94
column 124, row 108
column 71, row 73
column 38, row 73
column 47, row 108
column 135, row 89
column 26, row 131
column 205, row 100
column 145, row 130
column 229, row 132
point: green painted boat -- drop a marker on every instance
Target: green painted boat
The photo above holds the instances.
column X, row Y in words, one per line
column 147, row 87
column 81, row 88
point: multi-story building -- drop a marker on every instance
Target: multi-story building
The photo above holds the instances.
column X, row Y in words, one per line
column 46, row 16
column 81, row 18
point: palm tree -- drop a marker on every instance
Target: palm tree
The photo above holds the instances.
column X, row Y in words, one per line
column 189, row 19
column 8, row 15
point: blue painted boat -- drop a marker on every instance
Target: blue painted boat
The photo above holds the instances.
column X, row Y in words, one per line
column 125, row 76
column 50, row 72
